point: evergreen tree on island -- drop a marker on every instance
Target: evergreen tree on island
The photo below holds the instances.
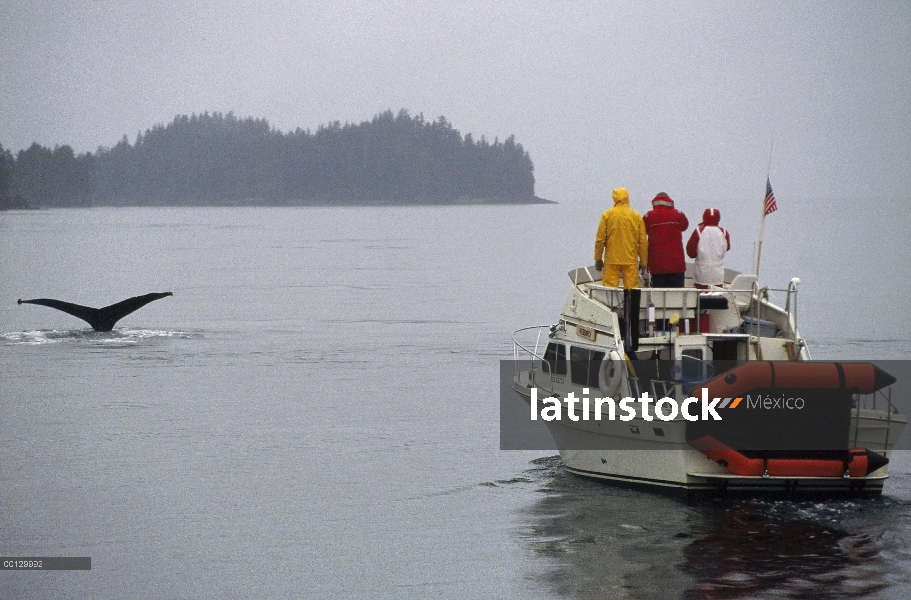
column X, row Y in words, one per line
column 219, row 160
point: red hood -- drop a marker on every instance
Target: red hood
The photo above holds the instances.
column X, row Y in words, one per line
column 662, row 199
column 711, row 217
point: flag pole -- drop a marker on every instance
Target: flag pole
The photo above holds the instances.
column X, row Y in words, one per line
column 762, row 219
column 759, row 245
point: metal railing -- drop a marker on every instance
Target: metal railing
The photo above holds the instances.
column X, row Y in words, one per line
column 760, row 299
column 614, row 298
column 869, row 402
column 536, row 359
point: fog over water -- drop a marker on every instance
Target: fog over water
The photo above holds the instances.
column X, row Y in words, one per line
column 684, row 98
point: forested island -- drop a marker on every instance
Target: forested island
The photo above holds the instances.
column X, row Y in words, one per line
column 220, row 160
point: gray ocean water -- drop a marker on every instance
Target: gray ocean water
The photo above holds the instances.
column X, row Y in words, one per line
column 314, row 413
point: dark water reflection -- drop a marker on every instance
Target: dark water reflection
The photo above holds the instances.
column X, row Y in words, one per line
column 750, row 553
column 598, row 541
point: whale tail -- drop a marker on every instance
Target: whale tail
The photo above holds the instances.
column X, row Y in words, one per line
column 101, row 319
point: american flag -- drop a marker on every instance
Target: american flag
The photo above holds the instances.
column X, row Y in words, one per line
column 770, row 205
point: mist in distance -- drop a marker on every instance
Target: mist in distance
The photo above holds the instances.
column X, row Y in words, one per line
column 685, row 99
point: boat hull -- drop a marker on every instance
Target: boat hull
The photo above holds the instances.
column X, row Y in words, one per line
column 658, row 474
column 609, row 452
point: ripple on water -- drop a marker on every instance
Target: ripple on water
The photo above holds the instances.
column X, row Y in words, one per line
column 85, row 336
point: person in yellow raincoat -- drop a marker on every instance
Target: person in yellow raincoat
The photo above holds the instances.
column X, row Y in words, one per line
column 621, row 244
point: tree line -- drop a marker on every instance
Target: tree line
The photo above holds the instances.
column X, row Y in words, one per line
column 219, row 159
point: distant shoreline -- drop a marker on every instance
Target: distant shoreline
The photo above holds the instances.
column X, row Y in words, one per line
column 333, row 202
column 220, row 160
column 310, row 203
column 16, row 203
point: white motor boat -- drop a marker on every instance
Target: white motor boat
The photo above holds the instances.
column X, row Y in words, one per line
column 800, row 426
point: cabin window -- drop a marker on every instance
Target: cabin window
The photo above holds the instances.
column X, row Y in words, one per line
column 584, row 365
column 724, row 349
column 693, row 366
column 726, row 353
column 555, row 359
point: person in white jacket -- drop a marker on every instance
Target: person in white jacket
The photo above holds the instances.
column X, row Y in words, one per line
column 707, row 245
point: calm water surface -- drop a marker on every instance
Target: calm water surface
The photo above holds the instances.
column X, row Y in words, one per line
column 314, row 413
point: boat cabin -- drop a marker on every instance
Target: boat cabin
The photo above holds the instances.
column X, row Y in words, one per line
column 734, row 322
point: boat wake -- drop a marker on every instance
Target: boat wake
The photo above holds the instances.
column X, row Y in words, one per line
column 862, row 349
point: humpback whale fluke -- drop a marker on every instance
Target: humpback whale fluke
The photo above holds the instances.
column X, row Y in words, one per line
column 101, row 319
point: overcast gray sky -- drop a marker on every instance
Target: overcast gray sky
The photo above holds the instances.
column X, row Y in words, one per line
column 682, row 97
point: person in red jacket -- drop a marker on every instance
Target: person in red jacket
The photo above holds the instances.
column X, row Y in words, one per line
column 665, row 226
column 707, row 245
